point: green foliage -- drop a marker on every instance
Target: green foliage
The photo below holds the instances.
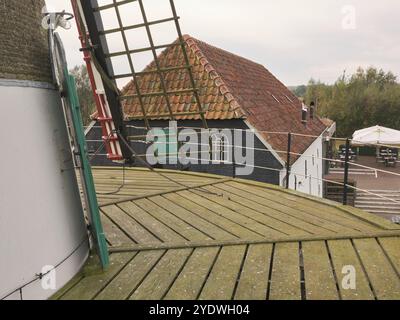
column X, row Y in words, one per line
column 85, row 94
column 367, row 98
column 299, row 91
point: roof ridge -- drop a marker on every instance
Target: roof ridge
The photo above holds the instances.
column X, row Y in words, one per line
column 223, row 88
column 242, row 58
column 236, row 55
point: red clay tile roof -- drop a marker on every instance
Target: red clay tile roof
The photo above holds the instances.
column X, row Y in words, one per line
column 230, row 87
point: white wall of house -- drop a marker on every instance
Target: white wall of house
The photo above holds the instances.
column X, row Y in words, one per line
column 307, row 171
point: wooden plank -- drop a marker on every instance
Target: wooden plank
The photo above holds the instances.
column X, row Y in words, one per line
column 171, row 203
column 369, row 222
column 130, row 226
column 179, row 226
column 144, row 171
column 236, row 241
column 147, row 184
column 153, row 178
column 257, row 229
column 165, row 179
column 213, row 218
column 343, row 254
column 382, row 276
column 280, row 215
column 91, row 285
column 190, row 282
column 311, row 206
column 122, row 199
column 160, row 279
column 157, row 228
column 303, row 216
column 117, row 196
column 222, row 280
column 114, row 234
column 392, row 248
column 319, row 218
column 285, row 277
column 373, row 219
column 320, row 280
column 143, row 177
column 159, row 193
column 121, row 287
column 60, row 293
column 110, row 191
column 369, row 219
column 129, row 189
column 253, row 283
column 130, row 183
column 257, row 222
column 271, row 222
column 359, row 214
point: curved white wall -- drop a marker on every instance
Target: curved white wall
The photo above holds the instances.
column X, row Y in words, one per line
column 41, row 218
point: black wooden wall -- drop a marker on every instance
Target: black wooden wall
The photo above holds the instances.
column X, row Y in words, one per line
column 261, row 158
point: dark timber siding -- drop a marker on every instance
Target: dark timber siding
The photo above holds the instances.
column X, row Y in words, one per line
column 261, row 158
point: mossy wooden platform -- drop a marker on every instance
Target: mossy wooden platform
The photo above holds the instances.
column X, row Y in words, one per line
column 195, row 236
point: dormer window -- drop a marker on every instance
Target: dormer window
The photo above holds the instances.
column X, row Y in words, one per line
column 304, row 111
column 312, row 110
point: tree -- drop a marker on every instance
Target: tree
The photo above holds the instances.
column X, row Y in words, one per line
column 300, row 91
column 366, row 98
column 85, row 93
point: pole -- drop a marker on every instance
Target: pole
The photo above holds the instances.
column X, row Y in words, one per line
column 93, row 206
column 289, row 148
column 178, row 151
column 233, row 165
column 346, row 172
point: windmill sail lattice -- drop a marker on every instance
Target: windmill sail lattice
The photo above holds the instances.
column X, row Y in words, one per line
column 109, row 98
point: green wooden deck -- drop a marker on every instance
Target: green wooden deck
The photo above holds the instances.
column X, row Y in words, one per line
column 193, row 236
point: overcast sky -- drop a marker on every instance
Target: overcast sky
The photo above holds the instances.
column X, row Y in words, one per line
column 294, row 39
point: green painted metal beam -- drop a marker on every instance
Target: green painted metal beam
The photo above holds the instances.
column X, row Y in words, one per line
column 92, row 205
